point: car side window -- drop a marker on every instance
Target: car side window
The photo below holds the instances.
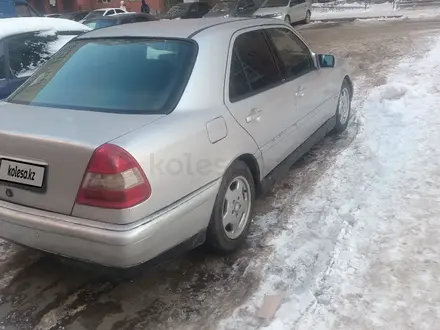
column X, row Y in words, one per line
column 119, row 11
column 29, row 51
column 293, row 53
column 258, row 65
column 109, row 12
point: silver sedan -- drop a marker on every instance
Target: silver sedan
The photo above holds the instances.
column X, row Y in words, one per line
column 135, row 140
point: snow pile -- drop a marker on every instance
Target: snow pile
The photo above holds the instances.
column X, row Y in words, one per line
column 361, row 250
column 349, row 11
column 421, row 13
column 380, row 11
column 338, row 5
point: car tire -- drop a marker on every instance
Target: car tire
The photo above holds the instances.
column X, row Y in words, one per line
column 307, row 18
column 343, row 110
column 287, row 20
column 233, row 210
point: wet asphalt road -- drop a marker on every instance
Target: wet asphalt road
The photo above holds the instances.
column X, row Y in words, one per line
column 196, row 291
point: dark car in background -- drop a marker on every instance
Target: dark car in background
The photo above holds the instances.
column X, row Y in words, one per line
column 118, row 19
column 233, row 8
column 76, row 16
column 188, row 10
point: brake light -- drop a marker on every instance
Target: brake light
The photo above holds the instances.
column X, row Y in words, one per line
column 113, row 179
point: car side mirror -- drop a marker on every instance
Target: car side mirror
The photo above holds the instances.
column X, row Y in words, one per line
column 292, row 3
column 326, row 61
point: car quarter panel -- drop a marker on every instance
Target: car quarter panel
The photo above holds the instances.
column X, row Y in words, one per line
column 178, row 159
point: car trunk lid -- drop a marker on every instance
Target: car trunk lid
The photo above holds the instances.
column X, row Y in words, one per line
column 44, row 152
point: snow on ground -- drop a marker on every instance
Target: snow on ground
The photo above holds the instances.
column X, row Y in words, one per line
column 361, row 250
column 375, row 10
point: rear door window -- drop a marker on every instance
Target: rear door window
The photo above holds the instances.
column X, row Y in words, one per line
column 119, row 11
column 146, row 76
column 257, row 61
column 293, row 53
column 27, row 52
column 238, row 84
column 109, row 12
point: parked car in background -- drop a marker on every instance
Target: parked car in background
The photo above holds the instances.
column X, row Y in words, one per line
column 76, row 16
column 188, row 10
column 16, row 8
column 232, row 8
column 27, row 43
column 119, row 149
column 102, row 12
column 118, row 19
column 291, row 11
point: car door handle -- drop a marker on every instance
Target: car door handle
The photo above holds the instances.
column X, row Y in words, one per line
column 299, row 92
column 254, row 115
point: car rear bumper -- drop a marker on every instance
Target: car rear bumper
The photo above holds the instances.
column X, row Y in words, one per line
column 109, row 244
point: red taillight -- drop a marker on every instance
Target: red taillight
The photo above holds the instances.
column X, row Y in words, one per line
column 113, row 179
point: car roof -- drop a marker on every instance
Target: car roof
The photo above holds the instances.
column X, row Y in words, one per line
column 18, row 25
column 185, row 28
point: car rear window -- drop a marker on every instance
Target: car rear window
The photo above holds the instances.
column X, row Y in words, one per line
column 101, row 23
column 112, row 75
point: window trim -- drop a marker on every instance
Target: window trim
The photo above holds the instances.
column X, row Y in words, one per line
column 234, row 37
column 276, row 53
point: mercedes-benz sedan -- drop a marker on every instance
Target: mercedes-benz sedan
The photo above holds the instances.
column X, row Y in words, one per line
column 165, row 141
